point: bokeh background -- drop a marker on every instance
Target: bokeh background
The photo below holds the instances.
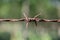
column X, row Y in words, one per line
column 48, row 9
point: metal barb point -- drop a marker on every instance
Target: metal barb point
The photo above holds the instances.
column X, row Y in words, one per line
column 36, row 15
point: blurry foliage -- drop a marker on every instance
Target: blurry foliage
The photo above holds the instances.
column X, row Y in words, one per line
column 4, row 36
column 52, row 13
column 12, row 8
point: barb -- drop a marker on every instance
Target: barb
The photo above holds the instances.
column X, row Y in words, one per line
column 36, row 23
column 37, row 15
column 25, row 15
column 27, row 25
column 36, row 19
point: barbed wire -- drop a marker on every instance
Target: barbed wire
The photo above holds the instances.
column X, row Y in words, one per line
column 34, row 19
column 30, row 20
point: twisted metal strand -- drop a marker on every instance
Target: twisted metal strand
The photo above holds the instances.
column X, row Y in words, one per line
column 29, row 19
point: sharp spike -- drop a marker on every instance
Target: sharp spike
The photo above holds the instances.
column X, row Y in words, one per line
column 27, row 25
column 25, row 15
column 37, row 15
column 36, row 23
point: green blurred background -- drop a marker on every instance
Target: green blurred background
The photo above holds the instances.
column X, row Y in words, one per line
column 48, row 9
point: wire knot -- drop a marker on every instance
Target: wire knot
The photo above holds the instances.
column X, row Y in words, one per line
column 37, row 19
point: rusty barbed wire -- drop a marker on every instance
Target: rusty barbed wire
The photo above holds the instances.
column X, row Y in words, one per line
column 30, row 20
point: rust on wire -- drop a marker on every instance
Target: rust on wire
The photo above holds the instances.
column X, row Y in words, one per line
column 30, row 20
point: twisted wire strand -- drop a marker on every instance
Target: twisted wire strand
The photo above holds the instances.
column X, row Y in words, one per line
column 30, row 19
